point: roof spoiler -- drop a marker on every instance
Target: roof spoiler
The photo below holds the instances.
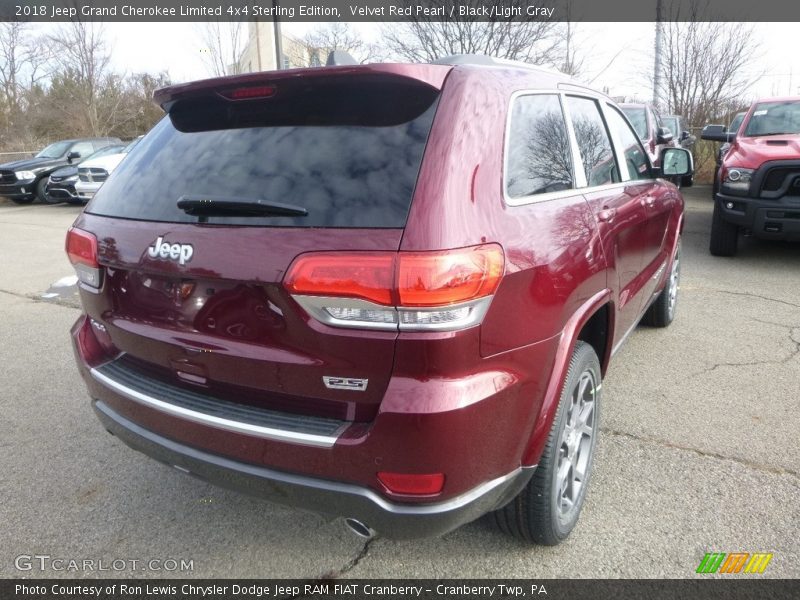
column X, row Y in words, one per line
column 431, row 75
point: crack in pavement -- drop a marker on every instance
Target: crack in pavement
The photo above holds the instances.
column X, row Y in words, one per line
column 356, row 559
column 351, row 564
column 39, row 299
column 751, row 295
column 790, row 328
column 704, row 453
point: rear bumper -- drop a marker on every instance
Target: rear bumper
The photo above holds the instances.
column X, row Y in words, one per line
column 390, row 519
column 767, row 219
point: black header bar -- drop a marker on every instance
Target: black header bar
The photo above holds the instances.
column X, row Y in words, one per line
column 398, row 10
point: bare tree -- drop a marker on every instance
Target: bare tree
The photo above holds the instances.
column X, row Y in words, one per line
column 706, row 70
column 11, row 63
column 424, row 39
column 22, row 58
column 572, row 61
column 340, row 36
column 83, row 57
column 223, row 46
column 706, row 66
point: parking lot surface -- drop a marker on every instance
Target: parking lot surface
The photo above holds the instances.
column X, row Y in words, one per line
column 699, row 450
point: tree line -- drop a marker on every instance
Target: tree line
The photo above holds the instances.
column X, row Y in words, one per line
column 61, row 84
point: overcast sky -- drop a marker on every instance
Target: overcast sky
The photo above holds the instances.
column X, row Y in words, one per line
column 175, row 48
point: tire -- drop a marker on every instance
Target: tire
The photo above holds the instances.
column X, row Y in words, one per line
column 724, row 235
column 662, row 312
column 687, row 181
column 539, row 513
column 44, row 198
column 41, row 194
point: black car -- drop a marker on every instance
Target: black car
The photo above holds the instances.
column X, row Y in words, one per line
column 23, row 181
column 61, row 185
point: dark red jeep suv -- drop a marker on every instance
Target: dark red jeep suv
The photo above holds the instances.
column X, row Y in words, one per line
column 385, row 292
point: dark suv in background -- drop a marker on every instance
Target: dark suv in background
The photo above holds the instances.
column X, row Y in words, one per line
column 759, row 179
column 61, row 184
column 385, row 292
column 651, row 130
column 23, row 181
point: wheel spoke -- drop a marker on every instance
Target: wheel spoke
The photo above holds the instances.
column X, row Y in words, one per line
column 585, row 416
column 574, row 454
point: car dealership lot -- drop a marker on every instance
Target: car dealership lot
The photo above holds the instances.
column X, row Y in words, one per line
column 699, row 450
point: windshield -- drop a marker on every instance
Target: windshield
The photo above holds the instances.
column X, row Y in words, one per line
column 638, row 118
column 56, row 150
column 774, row 118
column 108, row 150
column 671, row 123
column 737, row 122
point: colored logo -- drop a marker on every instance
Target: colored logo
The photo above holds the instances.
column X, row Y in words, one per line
column 735, row 562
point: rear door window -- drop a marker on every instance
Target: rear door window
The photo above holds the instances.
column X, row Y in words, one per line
column 593, row 141
column 348, row 152
column 539, row 155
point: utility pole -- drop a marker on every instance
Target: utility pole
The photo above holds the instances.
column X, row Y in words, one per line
column 657, row 61
column 276, row 30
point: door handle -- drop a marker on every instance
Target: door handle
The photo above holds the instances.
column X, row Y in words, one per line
column 607, row 215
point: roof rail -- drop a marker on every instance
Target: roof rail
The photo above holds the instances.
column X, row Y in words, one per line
column 339, row 58
column 482, row 59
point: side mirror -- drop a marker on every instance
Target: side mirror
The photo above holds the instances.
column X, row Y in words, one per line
column 663, row 135
column 676, row 162
column 73, row 155
column 717, row 133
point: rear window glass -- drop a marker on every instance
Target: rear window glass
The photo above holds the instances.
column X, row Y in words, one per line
column 349, row 154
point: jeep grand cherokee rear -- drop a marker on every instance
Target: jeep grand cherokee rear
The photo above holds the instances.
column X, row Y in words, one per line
column 759, row 178
column 329, row 287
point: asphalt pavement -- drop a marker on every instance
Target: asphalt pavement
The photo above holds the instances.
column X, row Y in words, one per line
column 699, row 450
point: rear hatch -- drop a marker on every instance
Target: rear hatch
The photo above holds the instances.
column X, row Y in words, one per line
column 265, row 167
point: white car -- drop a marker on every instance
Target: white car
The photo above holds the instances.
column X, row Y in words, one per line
column 93, row 172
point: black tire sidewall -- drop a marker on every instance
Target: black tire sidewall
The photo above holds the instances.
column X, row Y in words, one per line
column 584, row 357
column 41, row 194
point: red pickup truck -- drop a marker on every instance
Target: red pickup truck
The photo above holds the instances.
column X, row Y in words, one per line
column 759, row 179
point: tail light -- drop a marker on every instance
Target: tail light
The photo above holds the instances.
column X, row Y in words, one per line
column 250, row 93
column 81, row 249
column 441, row 290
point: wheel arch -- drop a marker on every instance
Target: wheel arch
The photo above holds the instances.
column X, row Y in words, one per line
column 592, row 323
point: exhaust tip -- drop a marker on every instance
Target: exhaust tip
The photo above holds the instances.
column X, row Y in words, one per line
column 360, row 529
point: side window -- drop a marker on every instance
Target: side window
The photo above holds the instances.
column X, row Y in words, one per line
column 82, row 148
column 539, row 154
column 593, row 141
column 635, row 157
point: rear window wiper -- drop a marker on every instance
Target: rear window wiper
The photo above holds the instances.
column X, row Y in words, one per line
column 231, row 206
